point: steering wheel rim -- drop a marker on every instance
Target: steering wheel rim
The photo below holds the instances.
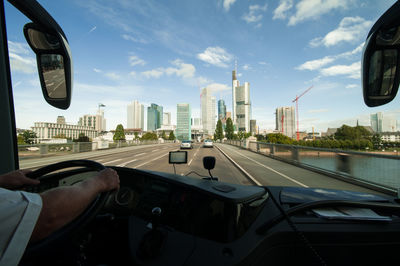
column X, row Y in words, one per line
column 85, row 217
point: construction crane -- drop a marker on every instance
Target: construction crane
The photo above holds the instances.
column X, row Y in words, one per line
column 297, row 110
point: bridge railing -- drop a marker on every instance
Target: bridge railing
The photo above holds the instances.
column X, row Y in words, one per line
column 59, row 149
column 378, row 171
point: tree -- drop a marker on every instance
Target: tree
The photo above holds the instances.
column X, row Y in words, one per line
column 229, row 129
column 150, row 136
column 171, row 136
column 82, row 138
column 219, row 133
column 136, row 135
column 163, row 136
column 29, row 136
column 119, row 133
column 21, row 140
column 376, row 140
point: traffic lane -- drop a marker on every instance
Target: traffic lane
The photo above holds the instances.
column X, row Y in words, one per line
column 224, row 169
column 273, row 172
column 136, row 158
column 161, row 164
column 35, row 163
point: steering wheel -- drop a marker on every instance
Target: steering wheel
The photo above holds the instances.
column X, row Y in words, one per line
column 88, row 214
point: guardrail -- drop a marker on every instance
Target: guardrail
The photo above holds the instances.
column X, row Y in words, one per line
column 377, row 171
column 43, row 150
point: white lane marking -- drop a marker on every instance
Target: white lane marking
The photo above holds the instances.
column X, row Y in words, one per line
column 128, row 162
column 155, row 150
column 273, row 170
column 241, row 168
column 113, row 161
column 151, row 160
column 140, row 154
column 194, row 156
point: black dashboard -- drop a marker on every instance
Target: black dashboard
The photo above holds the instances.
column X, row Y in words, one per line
column 203, row 222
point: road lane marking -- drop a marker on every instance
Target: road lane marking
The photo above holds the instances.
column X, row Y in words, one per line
column 151, row 160
column 271, row 169
column 194, row 156
column 155, row 150
column 140, row 154
column 113, row 161
column 128, row 162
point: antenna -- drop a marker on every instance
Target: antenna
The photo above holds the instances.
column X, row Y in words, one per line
column 236, row 66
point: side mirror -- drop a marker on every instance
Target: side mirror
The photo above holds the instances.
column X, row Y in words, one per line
column 381, row 59
column 54, row 63
column 209, row 162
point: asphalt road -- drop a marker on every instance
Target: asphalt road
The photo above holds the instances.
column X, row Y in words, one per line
column 264, row 170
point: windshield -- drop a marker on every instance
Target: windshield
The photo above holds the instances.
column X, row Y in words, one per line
column 274, row 84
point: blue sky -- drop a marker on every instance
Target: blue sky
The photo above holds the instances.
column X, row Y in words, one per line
column 163, row 51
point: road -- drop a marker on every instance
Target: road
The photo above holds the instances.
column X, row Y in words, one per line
column 264, row 170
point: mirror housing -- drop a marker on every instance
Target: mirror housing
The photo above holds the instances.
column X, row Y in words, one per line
column 209, row 162
column 381, row 59
column 54, row 63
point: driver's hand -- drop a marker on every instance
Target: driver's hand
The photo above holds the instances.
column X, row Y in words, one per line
column 109, row 179
column 17, row 179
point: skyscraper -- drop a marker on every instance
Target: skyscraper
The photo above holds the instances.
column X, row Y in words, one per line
column 285, row 116
column 183, row 122
column 167, row 119
column 154, row 117
column 377, row 122
column 221, row 110
column 208, row 106
column 241, row 105
column 135, row 115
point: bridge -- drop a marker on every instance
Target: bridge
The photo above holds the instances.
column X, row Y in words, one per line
column 254, row 163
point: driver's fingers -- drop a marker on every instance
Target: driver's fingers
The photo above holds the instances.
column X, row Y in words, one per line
column 30, row 181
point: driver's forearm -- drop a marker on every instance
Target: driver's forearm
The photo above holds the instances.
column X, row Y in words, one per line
column 63, row 204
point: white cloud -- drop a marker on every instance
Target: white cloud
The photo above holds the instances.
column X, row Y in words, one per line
column 154, row 73
column 92, row 29
column 352, row 86
column 18, row 48
column 133, row 39
column 255, row 13
column 134, row 60
column 246, row 67
column 217, row 87
column 25, row 65
column 181, row 69
column 262, row 63
column 315, row 111
column 227, row 4
column 350, row 29
column 281, row 11
column 97, row 70
column 313, row 9
column 316, row 64
column 113, row 76
column 216, row 56
column 351, row 71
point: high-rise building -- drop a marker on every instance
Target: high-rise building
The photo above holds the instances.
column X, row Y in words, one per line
column 183, row 122
column 377, row 122
column 98, row 122
column 285, row 121
column 135, row 115
column 208, row 107
column 241, row 105
column 228, row 115
column 154, row 117
column 389, row 124
column 167, row 119
column 253, row 126
column 221, row 110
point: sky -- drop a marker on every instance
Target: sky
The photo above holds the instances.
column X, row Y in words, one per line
column 163, row 52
